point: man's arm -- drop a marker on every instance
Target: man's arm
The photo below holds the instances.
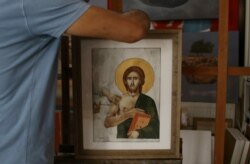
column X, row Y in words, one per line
column 101, row 23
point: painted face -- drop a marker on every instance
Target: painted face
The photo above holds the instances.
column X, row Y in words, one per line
column 133, row 81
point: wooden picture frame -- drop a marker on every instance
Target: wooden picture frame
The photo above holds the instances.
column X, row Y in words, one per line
column 100, row 63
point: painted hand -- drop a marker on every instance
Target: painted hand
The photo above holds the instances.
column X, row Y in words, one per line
column 133, row 134
column 133, row 111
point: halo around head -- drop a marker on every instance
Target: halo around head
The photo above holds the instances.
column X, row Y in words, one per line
column 143, row 64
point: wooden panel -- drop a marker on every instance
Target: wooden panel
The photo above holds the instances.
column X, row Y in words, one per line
column 221, row 82
column 213, row 71
column 239, row 71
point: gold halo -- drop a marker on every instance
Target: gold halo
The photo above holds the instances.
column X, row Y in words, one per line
column 143, row 64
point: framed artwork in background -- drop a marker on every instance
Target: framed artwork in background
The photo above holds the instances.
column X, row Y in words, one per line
column 170, row 9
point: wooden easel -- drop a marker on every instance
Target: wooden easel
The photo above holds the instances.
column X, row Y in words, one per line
column 222, row 71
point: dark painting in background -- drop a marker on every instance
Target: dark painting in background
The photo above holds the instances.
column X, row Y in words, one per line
column 175, row 9
column 196, row 91
column 99, row 3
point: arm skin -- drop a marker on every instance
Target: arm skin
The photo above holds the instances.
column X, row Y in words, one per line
column 101, row 23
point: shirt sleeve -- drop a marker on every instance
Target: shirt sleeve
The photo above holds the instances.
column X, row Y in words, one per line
column 52, row 17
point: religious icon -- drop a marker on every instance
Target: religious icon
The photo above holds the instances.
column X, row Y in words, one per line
column 122, row 107
column 135, row 113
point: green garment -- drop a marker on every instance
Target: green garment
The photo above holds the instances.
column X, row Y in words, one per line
column 147, row 104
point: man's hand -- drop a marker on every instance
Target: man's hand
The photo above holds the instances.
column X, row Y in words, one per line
column 102, row 23
column 138, row 15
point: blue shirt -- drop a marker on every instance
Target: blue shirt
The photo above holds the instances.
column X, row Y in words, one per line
column 30, row 33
